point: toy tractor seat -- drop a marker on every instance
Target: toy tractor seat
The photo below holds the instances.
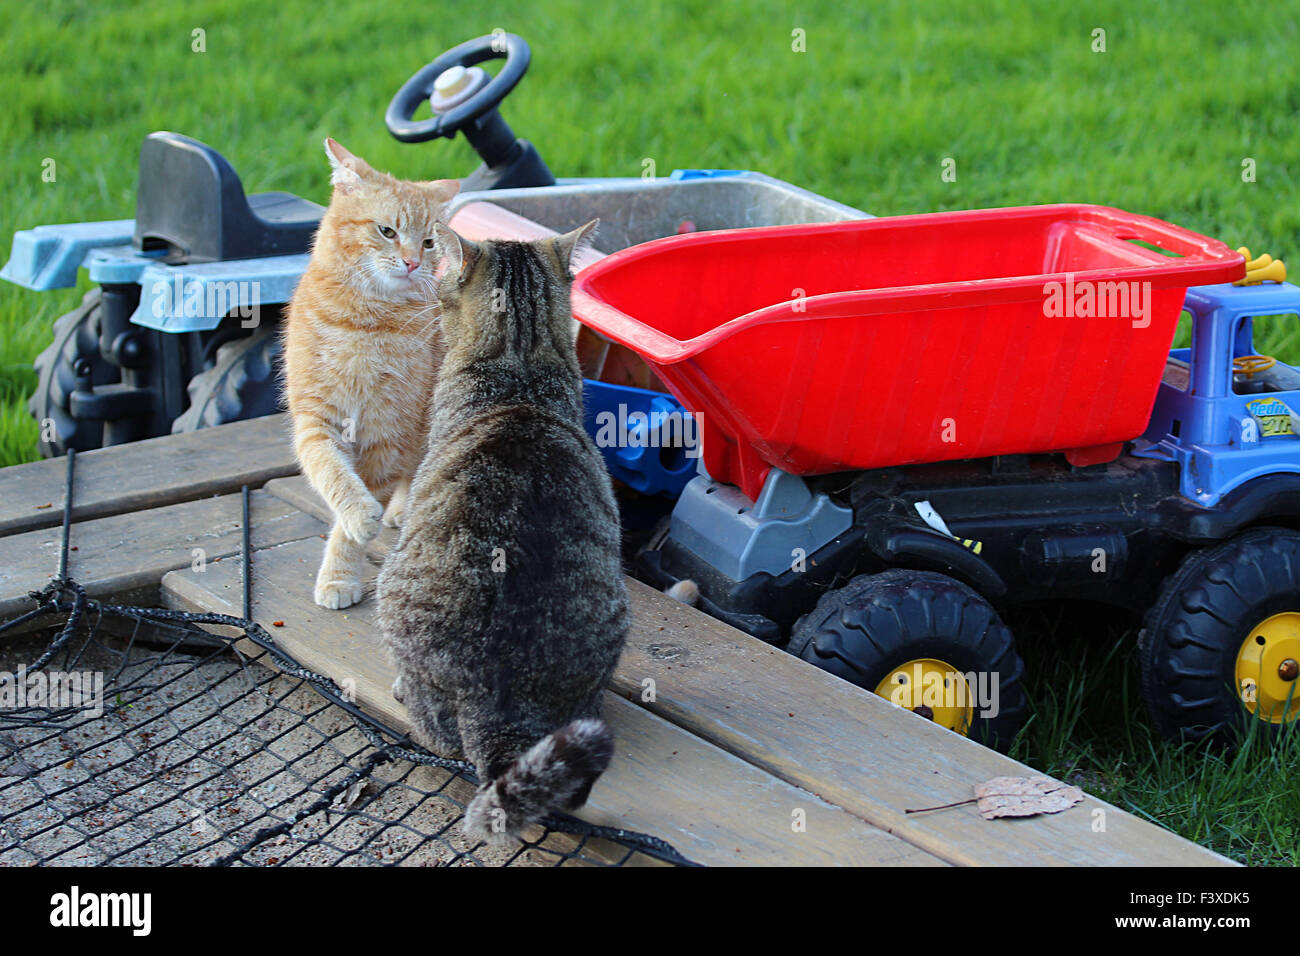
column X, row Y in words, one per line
column 191, row 204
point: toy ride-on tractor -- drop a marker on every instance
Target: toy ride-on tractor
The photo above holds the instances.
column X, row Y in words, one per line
column 181, row 331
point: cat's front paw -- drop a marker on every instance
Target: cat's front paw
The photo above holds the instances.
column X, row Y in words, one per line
column 396, row 509
column 394, row 513
column 362, row 521
column 338, row 594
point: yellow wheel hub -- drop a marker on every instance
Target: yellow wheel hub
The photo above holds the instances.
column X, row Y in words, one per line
column 1268, row 666
column 933, row 689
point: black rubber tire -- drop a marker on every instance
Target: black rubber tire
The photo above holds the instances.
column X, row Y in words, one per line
column 876, row 622
column 76, row 337
column 244, row 382
column 1191, row 637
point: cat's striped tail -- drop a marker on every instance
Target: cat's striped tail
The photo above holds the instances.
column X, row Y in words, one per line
column 556, row 773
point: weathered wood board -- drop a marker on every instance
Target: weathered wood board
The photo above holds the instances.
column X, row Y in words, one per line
column 861, row 752
column 147, row 474
column 124, row 557
column 714, row 807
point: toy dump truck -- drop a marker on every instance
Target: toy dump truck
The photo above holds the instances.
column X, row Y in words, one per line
column 910, row 422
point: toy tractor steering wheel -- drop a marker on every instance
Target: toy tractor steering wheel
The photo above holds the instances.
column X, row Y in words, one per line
column 465, row 100
column 419, row 88
column 1248, row 365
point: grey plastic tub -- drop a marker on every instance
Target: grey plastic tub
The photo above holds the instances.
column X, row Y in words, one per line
column 633, row 210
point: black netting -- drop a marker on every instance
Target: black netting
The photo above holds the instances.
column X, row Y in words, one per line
column 205, row 748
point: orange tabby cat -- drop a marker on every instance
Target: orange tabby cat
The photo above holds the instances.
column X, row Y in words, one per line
column 361, row 353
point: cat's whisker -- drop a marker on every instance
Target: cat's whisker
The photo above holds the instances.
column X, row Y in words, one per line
column 435, row 307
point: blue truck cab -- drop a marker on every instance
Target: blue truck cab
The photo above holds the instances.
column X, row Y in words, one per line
column 1223, row 412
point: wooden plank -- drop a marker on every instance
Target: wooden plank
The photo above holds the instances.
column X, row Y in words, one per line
column 147, row 474
column 714, row 807
column 124, row 557
column 847, row 745
column 860, row 752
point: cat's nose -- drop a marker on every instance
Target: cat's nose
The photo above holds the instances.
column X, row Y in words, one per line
column 411, row 265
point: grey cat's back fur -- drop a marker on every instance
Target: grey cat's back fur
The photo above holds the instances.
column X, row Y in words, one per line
column 503, row 604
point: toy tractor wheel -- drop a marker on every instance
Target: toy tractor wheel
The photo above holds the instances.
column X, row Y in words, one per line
column 76, row 343
column 918, row 638
column 1221, row 646
column 244, row 382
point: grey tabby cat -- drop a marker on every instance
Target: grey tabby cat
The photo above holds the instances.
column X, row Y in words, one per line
column 503, row 604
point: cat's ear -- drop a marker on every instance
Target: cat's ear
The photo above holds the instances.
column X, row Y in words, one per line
column 460, row 252
column 569, row 245
column 441, row 190
column 347, row 169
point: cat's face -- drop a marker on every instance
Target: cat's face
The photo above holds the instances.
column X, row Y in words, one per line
column 381, row 229
column 502, row 297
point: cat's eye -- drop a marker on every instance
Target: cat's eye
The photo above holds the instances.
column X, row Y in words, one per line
column 387, row 232
column 428, row 243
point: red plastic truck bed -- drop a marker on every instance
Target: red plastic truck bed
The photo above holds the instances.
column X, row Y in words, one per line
column 834, row 346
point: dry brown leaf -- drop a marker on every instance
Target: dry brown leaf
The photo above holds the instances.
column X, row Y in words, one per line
column 1024, row 796
column 349, row 796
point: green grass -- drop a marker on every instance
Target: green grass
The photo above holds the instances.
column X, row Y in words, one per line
column 1088, row 727
column 1011, row 91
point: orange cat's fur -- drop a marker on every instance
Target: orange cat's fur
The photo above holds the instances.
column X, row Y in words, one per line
column 361, row 352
